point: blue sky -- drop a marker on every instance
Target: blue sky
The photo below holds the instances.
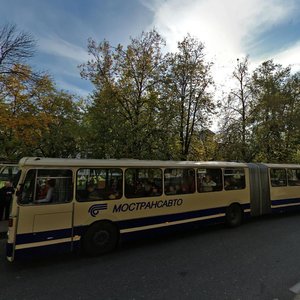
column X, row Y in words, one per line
column 229, row 29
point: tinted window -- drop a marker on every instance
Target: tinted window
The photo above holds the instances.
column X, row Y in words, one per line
column 293, row 177
column 209, row 180
column 46, row 186
column 179, row 181
column 99, row 184
column 234, row 179
column 278, row 177
column 140, row 182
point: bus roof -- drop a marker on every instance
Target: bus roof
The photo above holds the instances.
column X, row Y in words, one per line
column 4, row 165
column 71, row 162
column 280, row 166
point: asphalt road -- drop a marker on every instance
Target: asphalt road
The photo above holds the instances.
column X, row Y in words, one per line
column 259, row 260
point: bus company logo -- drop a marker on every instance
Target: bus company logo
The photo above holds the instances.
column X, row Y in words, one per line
column 94, row 209
column 136, row 206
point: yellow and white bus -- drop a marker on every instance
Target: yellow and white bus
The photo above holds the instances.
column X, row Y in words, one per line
column 67, row 204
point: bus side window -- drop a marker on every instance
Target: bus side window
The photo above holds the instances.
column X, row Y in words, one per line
column 54, row 186
column 293, row 177
column 96, row 184
column 278, row 177
column 234, row 179
column 143, row 182
column 26, row 190
column 209, row 180
column 179, row 181
column 44, row 186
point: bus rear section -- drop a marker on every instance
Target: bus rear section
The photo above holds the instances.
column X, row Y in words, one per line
column 275, row 188
column 284, row 181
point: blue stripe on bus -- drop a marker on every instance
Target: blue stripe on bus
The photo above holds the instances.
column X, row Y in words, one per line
column 126, row 224
column 43, row 236
column 154, row 232
column 169, row 218
column 42, row 251
column 133, row 223
column 148, row 221
column 286, row 209
column 286, row 201
column 79, row 230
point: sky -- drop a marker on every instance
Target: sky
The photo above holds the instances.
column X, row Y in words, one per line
column 229, row 29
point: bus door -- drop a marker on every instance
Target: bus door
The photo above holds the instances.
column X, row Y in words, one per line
column 45, row 212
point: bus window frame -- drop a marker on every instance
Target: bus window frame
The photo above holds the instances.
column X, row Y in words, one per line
column 219, row 185
column 33, row 201
column 276, row 182
column 296, row 180
column 181, row 183
column 235, row 187
column 121, row 193
column 160, row 189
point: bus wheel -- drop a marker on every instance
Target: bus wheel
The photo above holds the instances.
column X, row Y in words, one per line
column 234, row 215
column 100, row 238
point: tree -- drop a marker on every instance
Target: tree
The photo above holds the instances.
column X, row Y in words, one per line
column 61, row 136
column 291, row 116
column 126, row 81
column 236, row 132
column 35, row 119
column 16, row 123
column 273, row 103
column 189, row 82
column 15, row 48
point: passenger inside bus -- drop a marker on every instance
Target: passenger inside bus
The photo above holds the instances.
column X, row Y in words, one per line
column 92, row 193
column 48, row 192
column 188, row 185
column 231, row 183
column 208, row 184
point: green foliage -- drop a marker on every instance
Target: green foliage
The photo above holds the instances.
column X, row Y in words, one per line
column 268, row 128
column 235, row 133
column 36, row 119
column 127, row 114
column 61, row 136
column 138, row 107
column 146, row 104
column 271, row 107
column 189, row 82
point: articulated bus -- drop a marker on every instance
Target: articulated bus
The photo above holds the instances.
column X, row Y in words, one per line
column 91, row 205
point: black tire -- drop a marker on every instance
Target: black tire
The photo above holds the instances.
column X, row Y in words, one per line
column 234, row 215
column 101, row 237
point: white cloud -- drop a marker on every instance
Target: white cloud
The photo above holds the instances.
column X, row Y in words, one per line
column 59, row 47
column 74, row 89
column 223, row 26
column 228, row 29
column 290, row 57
